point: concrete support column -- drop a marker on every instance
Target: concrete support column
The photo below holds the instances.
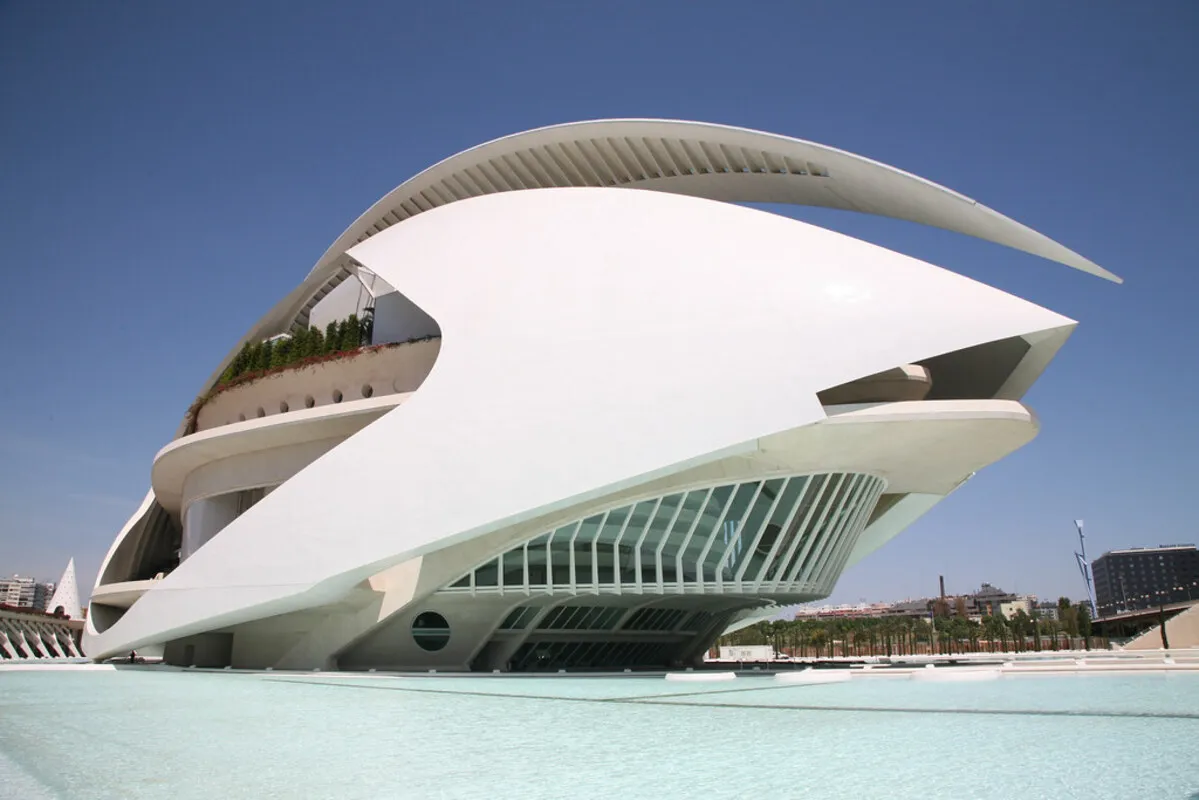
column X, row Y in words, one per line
column 39, row 643
column 72, row 650
column 49, row 637
column 23, row 645
column 7, row 646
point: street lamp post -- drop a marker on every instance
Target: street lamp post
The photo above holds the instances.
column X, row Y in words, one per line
column 1083, row 565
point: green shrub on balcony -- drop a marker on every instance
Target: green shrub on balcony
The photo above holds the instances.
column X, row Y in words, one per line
column 340, row 336
column 281, row 353
column 304, row 348
column 351, row 333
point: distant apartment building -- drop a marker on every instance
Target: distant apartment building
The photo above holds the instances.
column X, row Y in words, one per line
column 988, row 601
column 859, row 611
column 1144, row 577
column 1048, row 610
column 21, row 592
column 991, row 601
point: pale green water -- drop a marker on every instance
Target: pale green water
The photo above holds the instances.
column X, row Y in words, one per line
column 146, row 734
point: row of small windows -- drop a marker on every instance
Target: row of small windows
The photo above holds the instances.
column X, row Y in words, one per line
column 591, row 655
column 581, row 618
column 654, row 619
column 603, row 618
column 309, row 402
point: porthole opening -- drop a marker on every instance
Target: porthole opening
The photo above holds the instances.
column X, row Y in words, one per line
column 367, row 390
column 309, row 402
column 430, row 631
column 261, row 412
column 283, row 407
column 336, row 396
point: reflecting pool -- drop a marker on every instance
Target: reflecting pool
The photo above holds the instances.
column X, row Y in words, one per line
column 146, row 733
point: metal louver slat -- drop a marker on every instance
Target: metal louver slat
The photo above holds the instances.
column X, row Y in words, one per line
column 680, row 164
column 522, row 179
column 644, row 157
column 716, row 156
column 497, row 177
column 628, row 161
column 556, row 174
column 542, row 177
column 564, row 165
column 611, row 162
column 582, row 165
column 482, row 180
column 697, row 156
column 657, row 150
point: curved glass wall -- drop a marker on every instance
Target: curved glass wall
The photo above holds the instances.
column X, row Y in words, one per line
column 784, row 535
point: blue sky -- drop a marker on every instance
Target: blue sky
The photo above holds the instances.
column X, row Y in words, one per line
column 168, row 171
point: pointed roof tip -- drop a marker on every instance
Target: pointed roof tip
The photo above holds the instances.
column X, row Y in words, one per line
column 66, row 593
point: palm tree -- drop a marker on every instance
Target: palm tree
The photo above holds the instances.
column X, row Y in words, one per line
column 996, row 628
column 817, row 637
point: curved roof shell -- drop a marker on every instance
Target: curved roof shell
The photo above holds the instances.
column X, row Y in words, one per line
column 718, row 162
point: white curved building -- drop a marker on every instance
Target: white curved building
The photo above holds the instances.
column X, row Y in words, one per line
column 596, row 426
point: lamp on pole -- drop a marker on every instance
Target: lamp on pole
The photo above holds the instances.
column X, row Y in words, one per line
column 1084, row 566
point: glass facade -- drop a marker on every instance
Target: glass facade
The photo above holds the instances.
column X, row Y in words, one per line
column 783, row 535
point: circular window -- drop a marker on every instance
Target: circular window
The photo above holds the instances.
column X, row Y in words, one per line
column 283, row 407
column 261, row 413
column 336, row 396
column 367, row 390
column 430, row 630
column 309, row 402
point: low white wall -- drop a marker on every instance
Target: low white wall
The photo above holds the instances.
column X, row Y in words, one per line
column 372, row 373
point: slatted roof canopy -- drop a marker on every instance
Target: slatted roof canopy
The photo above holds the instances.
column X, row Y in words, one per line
column 719, row 162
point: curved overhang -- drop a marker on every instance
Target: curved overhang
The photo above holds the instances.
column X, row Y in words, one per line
column 181, row 457
column 716, row 162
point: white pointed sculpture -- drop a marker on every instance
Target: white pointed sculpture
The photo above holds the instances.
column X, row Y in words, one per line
column 66, row 594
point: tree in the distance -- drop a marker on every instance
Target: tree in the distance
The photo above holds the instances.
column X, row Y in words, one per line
column 351, row 334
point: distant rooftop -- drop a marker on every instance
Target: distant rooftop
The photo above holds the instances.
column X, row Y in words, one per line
column 1157, row 549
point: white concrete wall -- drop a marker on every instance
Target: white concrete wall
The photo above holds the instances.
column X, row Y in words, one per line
column 205, row 519
column 348, row 298
column 398, row 319
column 1181, row 629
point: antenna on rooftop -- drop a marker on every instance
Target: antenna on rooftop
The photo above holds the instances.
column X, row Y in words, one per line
column 1083, row 565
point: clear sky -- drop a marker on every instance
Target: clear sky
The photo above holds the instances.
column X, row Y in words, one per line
column 169, row 170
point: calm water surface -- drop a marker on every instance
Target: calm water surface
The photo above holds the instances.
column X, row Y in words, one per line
column 180, row 735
